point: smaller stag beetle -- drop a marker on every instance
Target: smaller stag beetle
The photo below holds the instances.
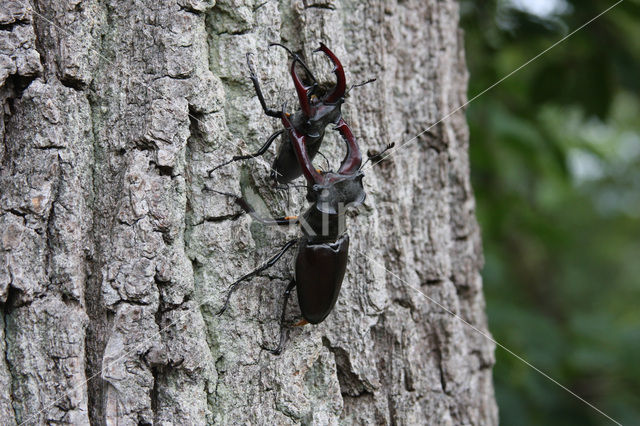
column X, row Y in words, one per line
column 323, row 248
column 319, row 107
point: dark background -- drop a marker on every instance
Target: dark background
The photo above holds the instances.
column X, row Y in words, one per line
column 555, row 154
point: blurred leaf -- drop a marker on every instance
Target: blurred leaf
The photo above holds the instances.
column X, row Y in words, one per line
column 555, row 153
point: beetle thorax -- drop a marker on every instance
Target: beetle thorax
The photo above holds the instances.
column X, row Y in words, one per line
column 337, row 192
column 321, row 115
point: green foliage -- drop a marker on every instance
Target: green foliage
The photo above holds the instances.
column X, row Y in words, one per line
column 555, row 154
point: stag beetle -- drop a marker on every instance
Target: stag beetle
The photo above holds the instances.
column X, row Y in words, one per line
column 323, row 248
column 318, row 108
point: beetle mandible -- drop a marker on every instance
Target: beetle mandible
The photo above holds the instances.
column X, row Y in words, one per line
column 318, row 109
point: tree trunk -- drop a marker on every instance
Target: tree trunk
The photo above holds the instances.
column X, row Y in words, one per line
column 114, row 260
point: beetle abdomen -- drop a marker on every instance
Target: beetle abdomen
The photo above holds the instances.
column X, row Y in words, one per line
column 320, row 268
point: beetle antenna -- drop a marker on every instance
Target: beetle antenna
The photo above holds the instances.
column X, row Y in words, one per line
column 353, row 86
column 377, row 156
column 325, row 159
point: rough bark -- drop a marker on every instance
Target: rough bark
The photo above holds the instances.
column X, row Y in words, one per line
column 114, row 260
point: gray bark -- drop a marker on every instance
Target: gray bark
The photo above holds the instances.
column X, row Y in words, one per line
column 114, row 260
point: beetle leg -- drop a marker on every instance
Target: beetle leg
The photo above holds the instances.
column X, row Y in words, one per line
column 301, row 62
column 341, row 81
column 248, row 208
column 258, row 153
column 255, row 272
column 283, row 329
column 256, row 86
